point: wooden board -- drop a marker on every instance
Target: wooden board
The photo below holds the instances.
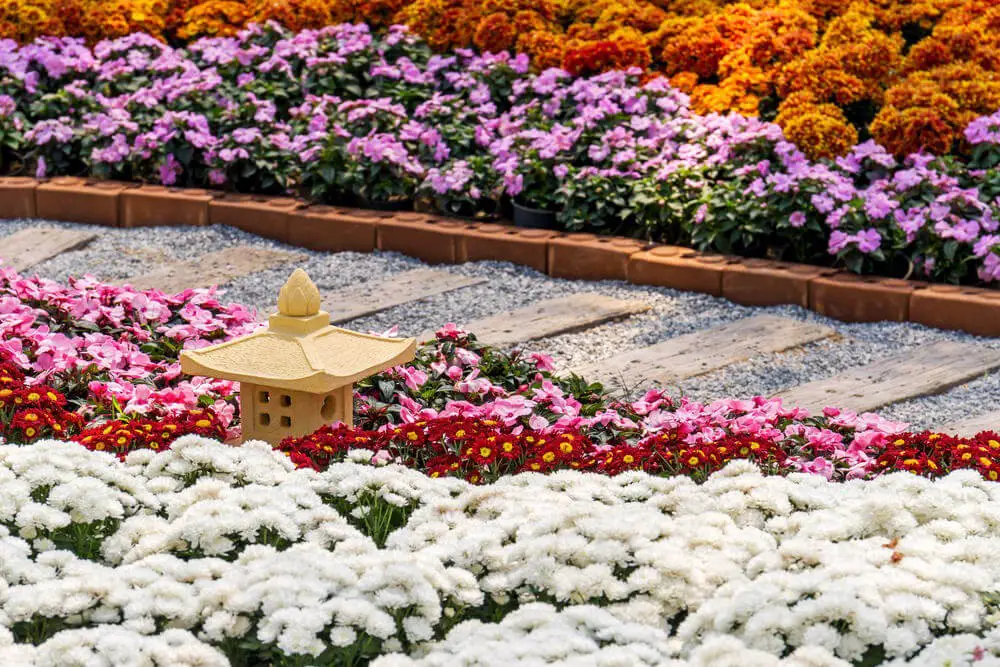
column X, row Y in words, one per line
column 704, row 351
column 928, row 369
column 378, row 295
column 34, row 245
column 215, row 268
column 969, row 427
column 549, row 318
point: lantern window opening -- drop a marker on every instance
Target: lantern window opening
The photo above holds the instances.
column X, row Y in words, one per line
column 265, row 397
column 286, row 421
column 286, row 401
column 265, row 419
column 329, row 407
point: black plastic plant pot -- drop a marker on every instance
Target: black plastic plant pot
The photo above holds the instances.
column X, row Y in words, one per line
column 533, row 218
column 385, row 205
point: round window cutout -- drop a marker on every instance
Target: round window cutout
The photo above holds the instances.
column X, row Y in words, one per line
column 329, row 405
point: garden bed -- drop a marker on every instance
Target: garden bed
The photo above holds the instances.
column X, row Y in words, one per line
column 99, row 364
column 214, row 555
column 425, row 535
column 488, row 507
column 911, row 77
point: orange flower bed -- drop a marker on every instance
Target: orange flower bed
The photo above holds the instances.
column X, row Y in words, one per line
column 909, row 74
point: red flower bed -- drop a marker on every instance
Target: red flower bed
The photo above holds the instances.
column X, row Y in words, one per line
column 481, row 451
column 936, row 454
column 29, row 413
column 122, row 437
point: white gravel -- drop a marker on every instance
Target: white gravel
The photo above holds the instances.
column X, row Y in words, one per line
column 119, row 253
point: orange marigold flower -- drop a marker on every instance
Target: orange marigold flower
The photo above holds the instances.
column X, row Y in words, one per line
column 918, row 115
column 727, row 97
column 217, row 18
column 544, row 48
column 820, row 130
column 595, row 57
column 701, row 47
column 529, row 21
column 684, row 81
column 495, row 33
column 293, row 14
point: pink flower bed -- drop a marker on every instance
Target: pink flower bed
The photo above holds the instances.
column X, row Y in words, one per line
column 455, row 378
column 114, row 350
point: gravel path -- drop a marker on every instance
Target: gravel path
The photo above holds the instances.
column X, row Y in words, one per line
column 119, row 253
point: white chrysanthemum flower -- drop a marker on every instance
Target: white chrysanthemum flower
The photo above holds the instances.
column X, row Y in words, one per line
column 360, row 455
column 123, row 648
column 343, row 637
column 36, row 517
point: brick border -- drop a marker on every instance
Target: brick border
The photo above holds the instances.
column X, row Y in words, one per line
column 441, row 240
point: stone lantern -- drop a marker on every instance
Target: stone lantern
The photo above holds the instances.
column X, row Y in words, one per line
column 298, row 373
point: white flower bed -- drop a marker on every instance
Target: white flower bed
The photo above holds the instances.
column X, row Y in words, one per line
column 208, row 553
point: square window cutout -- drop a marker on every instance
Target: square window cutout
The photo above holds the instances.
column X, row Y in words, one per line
column 264, row 397
column 286, row 421
column 265, row 419
column 286, row 401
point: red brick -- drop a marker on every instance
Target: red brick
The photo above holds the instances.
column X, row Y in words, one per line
column 155, row 205
column 432, row 239
column 591, row 257
column 503, row 243
column 970, row 309
column 853, row 298
column 679, row 268
column 761, row 282
column 333, row 229
column 264, row 216
column 75, row 200
column 17, row 198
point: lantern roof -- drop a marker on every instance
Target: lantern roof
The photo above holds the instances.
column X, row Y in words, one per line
column 299, row 350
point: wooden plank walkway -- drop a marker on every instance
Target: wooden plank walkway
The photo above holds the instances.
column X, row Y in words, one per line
column 32, row 246
column 215, row 268
column 973, row 425
column 549, row 318
column 928, row 369
column 704, row 351
column 378, row 295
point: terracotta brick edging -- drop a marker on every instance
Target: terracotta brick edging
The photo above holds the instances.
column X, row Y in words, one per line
column 442, row 240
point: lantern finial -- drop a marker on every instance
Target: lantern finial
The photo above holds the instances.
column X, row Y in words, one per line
column 299, row 297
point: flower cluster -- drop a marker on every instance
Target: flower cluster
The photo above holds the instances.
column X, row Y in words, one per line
column 212, row 555
column 32, row 412
column 481, row 451
column 936, row 454
column 104, row 359
column 345, row 116
column 465, row 410
column 120, row 437
column 89, row 352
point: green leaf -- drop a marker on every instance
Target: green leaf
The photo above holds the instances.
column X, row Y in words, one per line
column 386, row 388
column 328, row 174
